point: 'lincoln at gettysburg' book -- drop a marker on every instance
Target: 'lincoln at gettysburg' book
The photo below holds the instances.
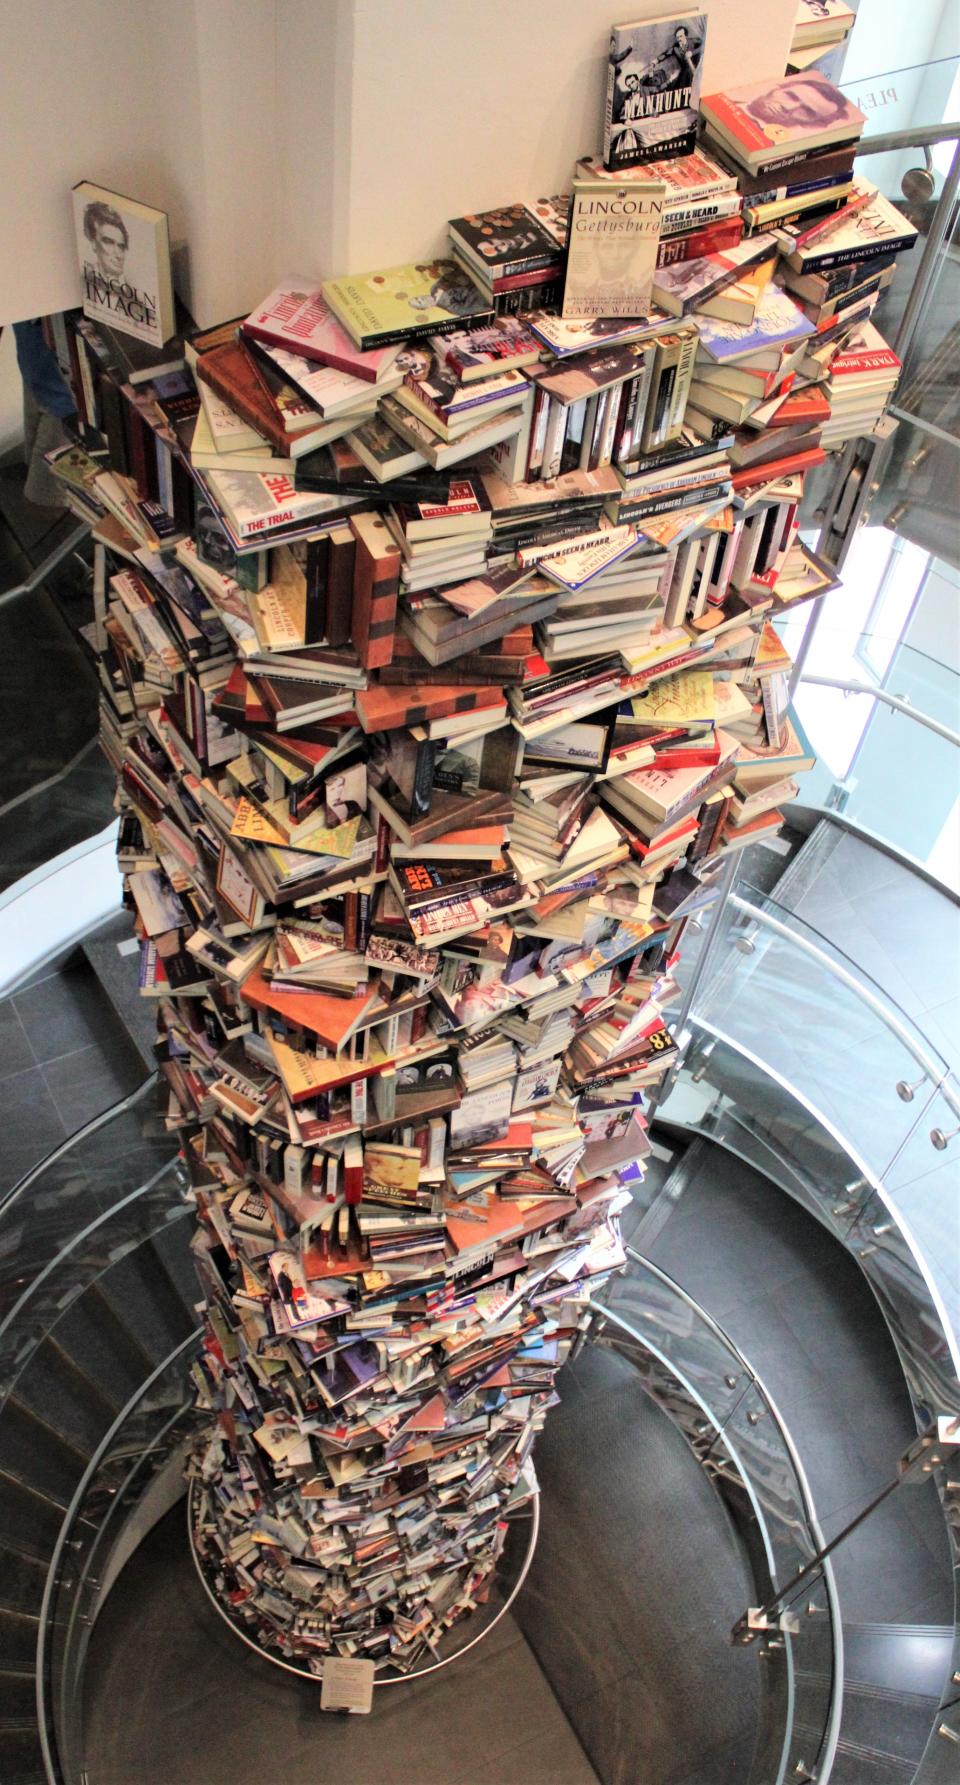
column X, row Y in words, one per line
column 124, row 252
column 612, row 254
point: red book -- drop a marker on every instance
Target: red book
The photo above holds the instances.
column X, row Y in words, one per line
column 775, row 468
column 333, row 1019
column 725, row 233
column 809, row 406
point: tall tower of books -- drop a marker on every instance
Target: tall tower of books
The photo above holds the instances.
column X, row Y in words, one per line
column 435, row 620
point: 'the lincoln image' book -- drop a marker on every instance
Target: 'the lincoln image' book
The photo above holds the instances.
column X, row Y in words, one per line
column 124, row 252
column 653, row 89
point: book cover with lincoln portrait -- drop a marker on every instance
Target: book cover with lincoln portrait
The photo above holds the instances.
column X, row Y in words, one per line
column 124, row 253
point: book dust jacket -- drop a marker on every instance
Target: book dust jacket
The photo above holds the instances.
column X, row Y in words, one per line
column 653, row 89
column 612, row 254
column 123, row 249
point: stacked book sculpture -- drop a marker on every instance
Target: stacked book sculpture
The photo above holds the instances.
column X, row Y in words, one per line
column 435, row 627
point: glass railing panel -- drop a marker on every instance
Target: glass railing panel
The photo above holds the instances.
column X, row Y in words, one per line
column 143, row 1440
column 86, row 1258
column 814, row 1671
column 913, row 92
column 89, row 1173
column 795, row 1004
column 907, row 1238
column 659, row 1311
column 693, row 1369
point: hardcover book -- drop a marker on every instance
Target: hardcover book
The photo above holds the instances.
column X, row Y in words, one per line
column 653, row 88
column 777, row 321
column 680, row 289
column 124, row 253
column 480, row 352
column 296, row 316
column 868, row 225
column 763, row 123
column 405, row 302
column 612, row 257
column 505, row 242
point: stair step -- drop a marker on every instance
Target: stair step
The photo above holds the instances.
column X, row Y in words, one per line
column 18, row 1641
column 21, row 1757
column 22, row 1580
column 102, row 1347
column 896, row 1723
column 142, row 1295
column 856, row 1764
column 911, row 1658
column 34, row 1452
column 116, row 975
column 52, row 1387
column 29, row 1520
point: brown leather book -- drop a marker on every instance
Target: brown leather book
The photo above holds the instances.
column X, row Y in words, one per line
column 233, row 373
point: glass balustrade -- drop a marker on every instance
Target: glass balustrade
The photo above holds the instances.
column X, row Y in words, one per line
column 697, row 1374
column 792, row 1004
column 147, row 1439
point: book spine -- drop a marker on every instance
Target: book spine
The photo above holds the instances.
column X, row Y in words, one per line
column 586, row 442
column 376, row 581
column 538, row 430
column 554, row 436
column 610, row 425
column 656, row 420
column 682, row 383
column 842, row 257
column 317, row 566
column 340, row 565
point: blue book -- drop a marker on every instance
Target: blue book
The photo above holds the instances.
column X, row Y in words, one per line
column 779, row 322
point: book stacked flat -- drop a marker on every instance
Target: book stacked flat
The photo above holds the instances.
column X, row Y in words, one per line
column 861, row 378
column 791, row 143
column 514, row 254
column 438, row 674
column 820, row 29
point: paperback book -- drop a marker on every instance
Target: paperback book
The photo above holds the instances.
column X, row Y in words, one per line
column 405, row 303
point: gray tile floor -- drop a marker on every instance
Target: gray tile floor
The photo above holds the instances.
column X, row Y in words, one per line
column 800, row 1310
column 207, row 1712
column 64, row 1057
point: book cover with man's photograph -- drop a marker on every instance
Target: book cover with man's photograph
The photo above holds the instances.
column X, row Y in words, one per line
column 124, row 252
column 653, row 89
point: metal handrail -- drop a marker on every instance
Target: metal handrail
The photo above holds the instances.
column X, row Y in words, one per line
column 880, row 1008
column 832, row 1730
column 895, row 701
column 73, row 1140
column 50, row 562
column 917, row 136
column 191, row 1341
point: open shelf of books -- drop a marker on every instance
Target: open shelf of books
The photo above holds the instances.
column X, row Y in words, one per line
column 435, row 629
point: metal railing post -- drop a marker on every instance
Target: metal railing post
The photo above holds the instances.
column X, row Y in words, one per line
column 929, row 260
column 725, row 888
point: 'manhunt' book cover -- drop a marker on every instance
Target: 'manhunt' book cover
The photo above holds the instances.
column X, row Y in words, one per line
column 124, row 252
column 612, row 253
column 653, row 89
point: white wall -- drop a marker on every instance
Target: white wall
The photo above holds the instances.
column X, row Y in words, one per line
column 311, row 136
column 459, row 107
column 170, row 101
column 11, row 394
